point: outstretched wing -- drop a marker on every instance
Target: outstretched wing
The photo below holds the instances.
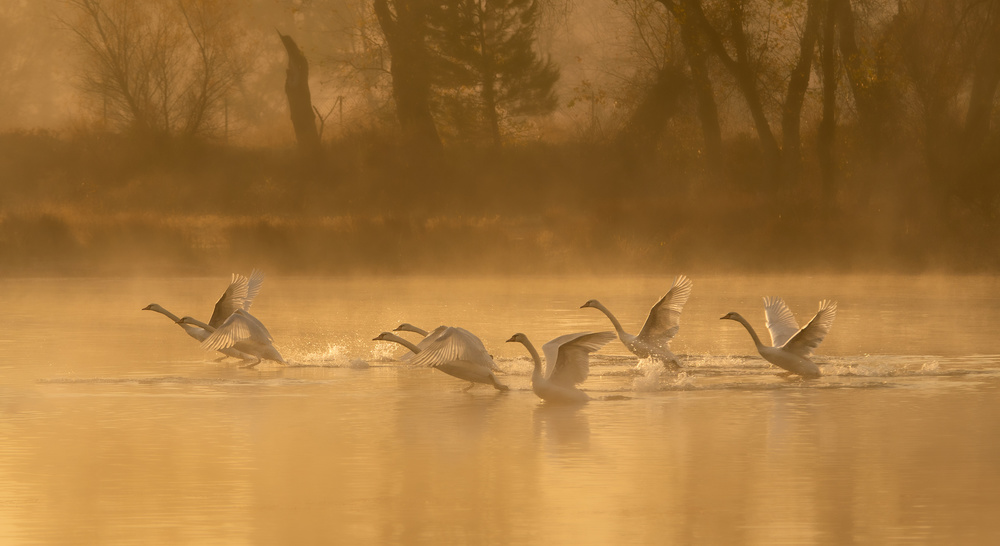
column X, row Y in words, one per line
column 665, row 317
column 453, row 344
column 232, row 299
column 780, row 321
column 240, row 326
column 567, row 358
column 423, row 344
column 807, row 339
column 253, row 288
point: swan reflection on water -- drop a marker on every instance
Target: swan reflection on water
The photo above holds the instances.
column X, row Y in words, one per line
column 564, row 425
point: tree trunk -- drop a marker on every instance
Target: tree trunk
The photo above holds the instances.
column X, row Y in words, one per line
column 825, row 134
column 985, row 81
column 404, row 33
column 690, row 12
column 299, row 98
column 863, row 86
column 708, row 112
column 798, row 83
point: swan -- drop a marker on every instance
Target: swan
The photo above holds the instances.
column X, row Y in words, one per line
column 791, row 347
column 661, row 325
column 238, row 295
column 243, row 332
column 456, row 352
column 567, row 363
column 197, row 332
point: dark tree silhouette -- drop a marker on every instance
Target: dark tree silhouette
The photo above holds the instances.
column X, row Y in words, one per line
column 488, row 46
column 404, row 25
column 299, row 99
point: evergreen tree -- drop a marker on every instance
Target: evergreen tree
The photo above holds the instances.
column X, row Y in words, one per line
column 487, row 63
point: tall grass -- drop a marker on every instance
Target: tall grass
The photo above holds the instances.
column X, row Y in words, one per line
column 104, row 204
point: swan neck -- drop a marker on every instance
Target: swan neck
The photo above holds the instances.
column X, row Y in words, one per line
column 536, row 372
column 201, row 324
column 405, row 343
column 167, row 314
column 420, row 331
column 753, row 334
column 614, row 321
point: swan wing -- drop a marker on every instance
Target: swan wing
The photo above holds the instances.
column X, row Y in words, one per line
column 453, row 344
column 567, row 358
column 423, row 344
column 780, row 321
column 240, row 326
column 807, row 339
column 253, row 288
column 664, row 318
column 232, row 299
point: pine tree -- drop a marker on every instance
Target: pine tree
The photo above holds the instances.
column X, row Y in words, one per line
column 487, row 64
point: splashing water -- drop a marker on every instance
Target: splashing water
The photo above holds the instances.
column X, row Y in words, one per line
column 930, row 367
column 650, row 370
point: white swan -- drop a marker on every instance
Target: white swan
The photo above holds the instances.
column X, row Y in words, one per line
column 661, row 325
column 567, row 363
column 456, row 352
column 197, row 332
column 238, row 295
column 243, row 332
column 791, row 347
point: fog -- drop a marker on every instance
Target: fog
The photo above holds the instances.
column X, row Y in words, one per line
column 578, row 137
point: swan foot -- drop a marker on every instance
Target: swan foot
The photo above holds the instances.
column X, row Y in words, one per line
column 220, row 359
column 466, row 389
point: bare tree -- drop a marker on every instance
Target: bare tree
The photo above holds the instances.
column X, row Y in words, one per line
column 159, row 68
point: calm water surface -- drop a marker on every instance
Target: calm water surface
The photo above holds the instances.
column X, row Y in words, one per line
column 115, row 428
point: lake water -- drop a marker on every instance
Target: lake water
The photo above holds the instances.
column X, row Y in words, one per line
column 115, row 428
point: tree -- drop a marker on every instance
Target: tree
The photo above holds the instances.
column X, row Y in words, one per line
column 487, row 46
column 404, row 25
column 160, row 69
column 299, row 99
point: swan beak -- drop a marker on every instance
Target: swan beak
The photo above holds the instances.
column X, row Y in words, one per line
column 511, row 340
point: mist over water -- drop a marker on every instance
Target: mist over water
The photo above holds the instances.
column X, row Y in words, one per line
column 117, row 426
column 493, row 165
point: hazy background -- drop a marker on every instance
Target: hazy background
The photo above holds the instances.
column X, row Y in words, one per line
column 500, row 136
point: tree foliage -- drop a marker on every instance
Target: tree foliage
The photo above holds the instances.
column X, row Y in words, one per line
column 485, row 54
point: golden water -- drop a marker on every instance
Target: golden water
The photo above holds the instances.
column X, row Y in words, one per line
column 115, row 428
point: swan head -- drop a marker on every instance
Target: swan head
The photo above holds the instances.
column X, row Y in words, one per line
column 152, row 307
column 591, row 303
column 186, row 320
column 384, row 336
column 407, row 327
column 731, row 316
column 518, row 338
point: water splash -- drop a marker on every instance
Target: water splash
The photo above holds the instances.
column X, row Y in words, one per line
column 650, row 371
column 930, row 367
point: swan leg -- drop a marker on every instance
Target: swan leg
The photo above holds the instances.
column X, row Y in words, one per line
column 252, row 365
